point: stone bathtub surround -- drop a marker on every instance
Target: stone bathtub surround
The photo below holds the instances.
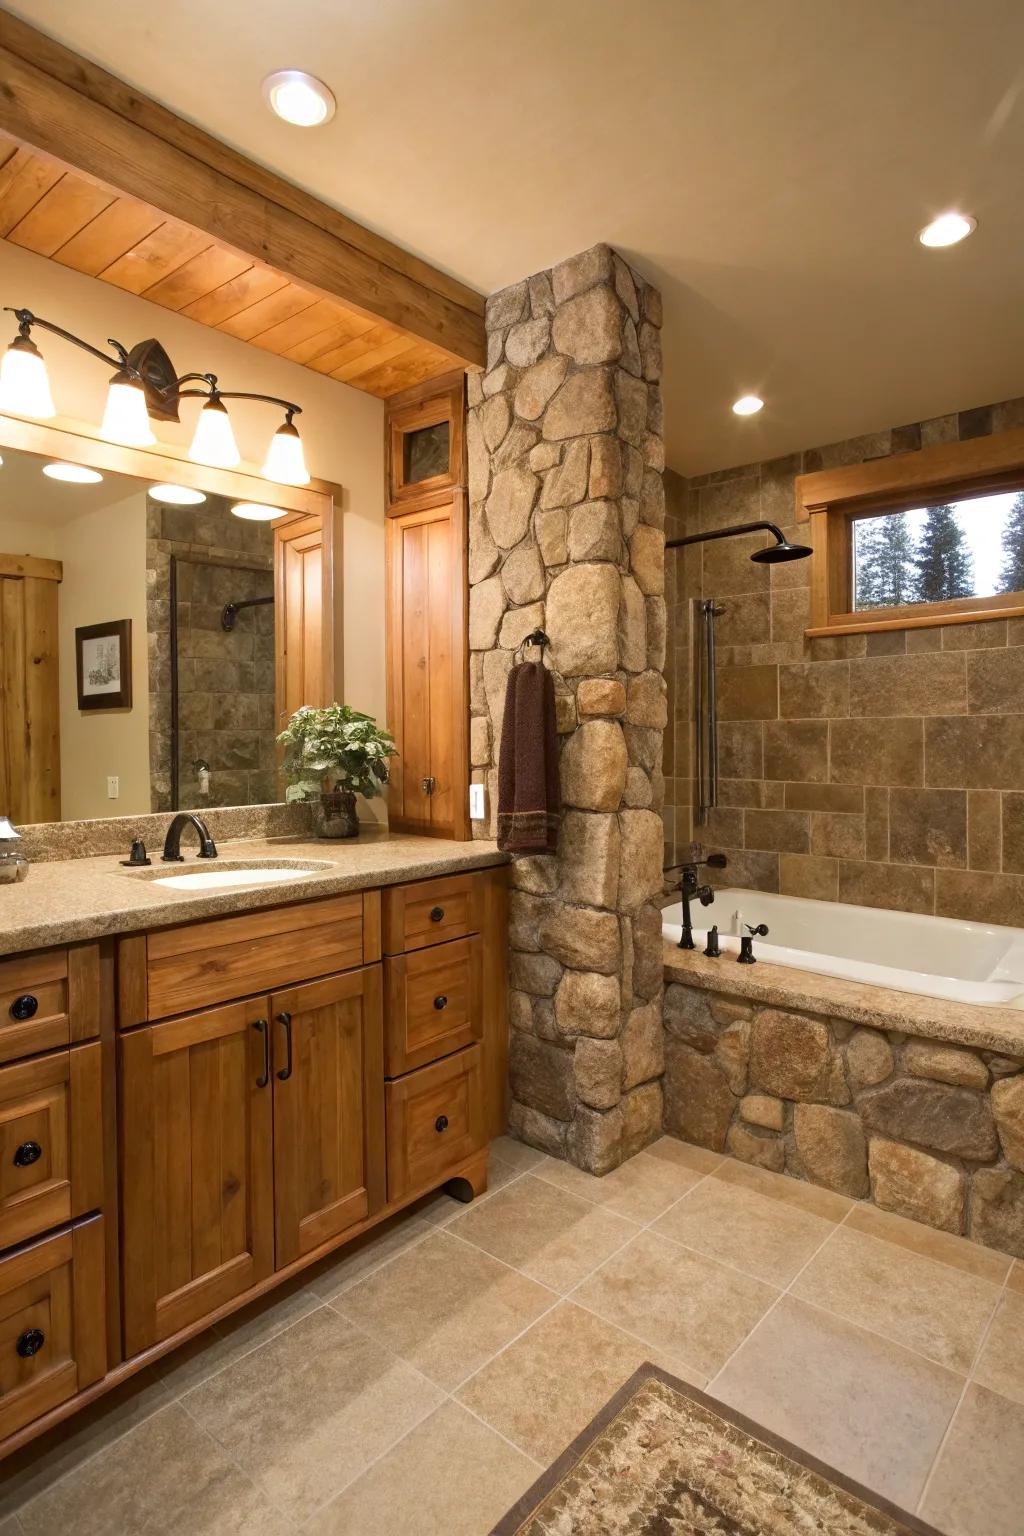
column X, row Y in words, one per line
column 928, row 1129
column 884, row 769
column 566, row 533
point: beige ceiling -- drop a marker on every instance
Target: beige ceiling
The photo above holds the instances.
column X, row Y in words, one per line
column 767, row 162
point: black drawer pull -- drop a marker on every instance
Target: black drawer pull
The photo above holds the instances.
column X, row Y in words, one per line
column 28, row 1153
column 441, row 1124
column 440, row 1002
column 30, row 1343
column 437, row 914
column 24, row 1007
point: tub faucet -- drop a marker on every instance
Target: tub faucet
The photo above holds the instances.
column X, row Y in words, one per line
column 746, row 955
column 172, row 843
column 690, row 887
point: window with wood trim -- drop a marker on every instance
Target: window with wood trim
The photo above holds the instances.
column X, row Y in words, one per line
column 925, row 538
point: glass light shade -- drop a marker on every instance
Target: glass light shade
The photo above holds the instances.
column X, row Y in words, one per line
column 214, row 442
column 255, row 511
column 747, row 405
column 286, row 462
column 177, row 495
column 24, row 383
column 126, row 420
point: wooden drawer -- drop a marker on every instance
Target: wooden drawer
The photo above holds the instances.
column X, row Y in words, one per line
column 51, row 1142
column 180, row 970
column 431, row 912
column 48, row 999
column 434, row 1003
column 435, row 1121
column 52, row 1334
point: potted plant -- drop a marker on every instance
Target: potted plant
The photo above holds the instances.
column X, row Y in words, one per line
column 332, row 754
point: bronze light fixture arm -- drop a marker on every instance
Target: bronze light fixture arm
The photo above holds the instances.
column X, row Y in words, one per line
column 148, row 365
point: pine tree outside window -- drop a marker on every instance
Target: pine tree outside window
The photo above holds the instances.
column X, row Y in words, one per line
column 968, row 547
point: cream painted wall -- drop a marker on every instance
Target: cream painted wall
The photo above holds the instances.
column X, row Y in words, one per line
column 342, row 428
column 104, row 558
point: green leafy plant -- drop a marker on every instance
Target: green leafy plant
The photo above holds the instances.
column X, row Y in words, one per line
column 335, row 743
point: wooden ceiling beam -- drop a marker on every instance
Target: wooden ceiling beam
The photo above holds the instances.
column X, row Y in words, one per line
column 55, row 101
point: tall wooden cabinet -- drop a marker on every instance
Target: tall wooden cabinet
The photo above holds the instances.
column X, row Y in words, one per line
column 427, row 586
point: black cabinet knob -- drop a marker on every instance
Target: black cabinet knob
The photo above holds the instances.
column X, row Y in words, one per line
column 437, row 914
column 24, row 1007
column 440, row 1002
column 28, row 1153
column 30, row 1343
column 441, row 1124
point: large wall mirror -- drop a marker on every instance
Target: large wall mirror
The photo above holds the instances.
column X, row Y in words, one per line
column 158, row 624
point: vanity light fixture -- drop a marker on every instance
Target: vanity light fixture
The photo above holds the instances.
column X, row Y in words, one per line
column 255, row 511
column 947, row 229
column 176, row 495
column 144, row 387
column 299, row 98
column 73, row 474
column 747, row 405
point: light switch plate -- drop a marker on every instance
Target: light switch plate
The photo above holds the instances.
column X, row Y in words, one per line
column 477, row 811
column 113, row 786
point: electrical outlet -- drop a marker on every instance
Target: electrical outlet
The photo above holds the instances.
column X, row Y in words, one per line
column 477, row 811
column 113, row 786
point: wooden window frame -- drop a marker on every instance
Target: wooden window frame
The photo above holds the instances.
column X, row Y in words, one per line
column 830, row 500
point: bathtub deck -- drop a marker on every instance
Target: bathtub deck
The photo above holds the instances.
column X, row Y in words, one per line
column 982, row 1026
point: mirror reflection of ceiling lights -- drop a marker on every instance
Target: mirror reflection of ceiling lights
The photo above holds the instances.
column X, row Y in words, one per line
column 144, row 385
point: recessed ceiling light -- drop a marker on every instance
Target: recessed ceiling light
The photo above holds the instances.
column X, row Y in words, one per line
column 74, row 474
column 747, row 405
column 177, row 495
column 299, row 98
column 256, row 511
column 948, row 229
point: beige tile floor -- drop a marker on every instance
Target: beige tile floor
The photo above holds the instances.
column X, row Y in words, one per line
column 417, row 1385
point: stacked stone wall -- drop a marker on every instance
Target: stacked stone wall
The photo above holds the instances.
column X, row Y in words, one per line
column 567, row 516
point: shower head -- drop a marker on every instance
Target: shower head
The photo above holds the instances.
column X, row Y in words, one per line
column 776, row 554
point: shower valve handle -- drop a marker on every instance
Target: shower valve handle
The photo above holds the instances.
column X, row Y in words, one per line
column 759, row 930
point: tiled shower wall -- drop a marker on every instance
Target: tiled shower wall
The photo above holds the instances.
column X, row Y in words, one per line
column 884, row 769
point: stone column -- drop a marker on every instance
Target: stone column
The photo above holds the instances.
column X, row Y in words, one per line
column 567, row 515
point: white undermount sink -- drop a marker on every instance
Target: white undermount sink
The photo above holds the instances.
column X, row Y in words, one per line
column 221, row 879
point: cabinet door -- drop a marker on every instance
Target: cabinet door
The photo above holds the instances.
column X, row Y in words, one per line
column 303, row 639
column 29, row 698
column 197, row 1166
column 328, row 1109
column 427, row 704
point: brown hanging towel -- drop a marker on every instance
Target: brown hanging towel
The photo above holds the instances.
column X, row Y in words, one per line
column 528, row 788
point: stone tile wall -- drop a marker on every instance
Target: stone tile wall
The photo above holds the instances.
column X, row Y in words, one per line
column 934, row 1132
column 567, row 514
column 886, row 769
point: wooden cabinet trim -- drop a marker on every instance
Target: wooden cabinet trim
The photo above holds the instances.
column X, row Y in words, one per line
column 53, row 1106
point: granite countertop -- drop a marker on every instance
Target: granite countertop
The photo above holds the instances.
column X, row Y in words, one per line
column 780, row 986
column 66, row 900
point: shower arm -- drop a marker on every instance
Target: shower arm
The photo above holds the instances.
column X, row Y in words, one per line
column 728, row 533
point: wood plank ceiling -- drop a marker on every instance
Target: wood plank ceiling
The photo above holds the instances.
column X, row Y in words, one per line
column 56, row 212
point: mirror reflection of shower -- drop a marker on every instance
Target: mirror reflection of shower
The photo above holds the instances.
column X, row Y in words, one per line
column 212, row 670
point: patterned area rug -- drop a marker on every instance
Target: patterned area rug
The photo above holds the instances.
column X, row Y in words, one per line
column 661, row 1459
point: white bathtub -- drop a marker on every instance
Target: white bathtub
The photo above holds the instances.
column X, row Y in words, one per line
column 934, row 956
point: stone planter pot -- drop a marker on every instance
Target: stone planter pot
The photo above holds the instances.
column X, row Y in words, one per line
column 334, row 814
